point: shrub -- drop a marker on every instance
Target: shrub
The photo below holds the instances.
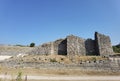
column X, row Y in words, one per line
column 19, row 76
column 53, row 60
column 62, row 59
column 94, row 59
column 32, row 44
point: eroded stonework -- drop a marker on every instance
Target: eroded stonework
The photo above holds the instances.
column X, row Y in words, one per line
column 74, row 45
column 103, row 44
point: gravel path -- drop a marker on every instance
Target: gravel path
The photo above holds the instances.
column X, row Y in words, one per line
column 68, row 78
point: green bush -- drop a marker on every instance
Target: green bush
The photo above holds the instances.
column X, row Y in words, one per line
column 94, row 59
column 116, row 48
column 53, row 60
column 32, row 44
column 19, row 76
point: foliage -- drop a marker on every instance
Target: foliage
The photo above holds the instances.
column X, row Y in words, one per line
column 19, row 77
column 62, row 59
column 20, row 45
column 116, row 48
column 53, row 60
column 32, row 44
column 94, row 59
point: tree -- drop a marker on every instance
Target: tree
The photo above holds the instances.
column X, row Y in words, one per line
column 32, row 44
column 116, row 48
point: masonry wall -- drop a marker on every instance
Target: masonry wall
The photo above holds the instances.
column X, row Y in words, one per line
column 57, row 47
column 60, row 47
column 103, row 44
column 90, row 47
column 42, row 49
column 75, row 46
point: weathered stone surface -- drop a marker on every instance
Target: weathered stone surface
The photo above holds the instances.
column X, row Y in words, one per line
column 60, row 47
column 42, row 49
column 14, row 50
column 75, row 46
column 56, row 47
column 90, row 47
column 103, row 44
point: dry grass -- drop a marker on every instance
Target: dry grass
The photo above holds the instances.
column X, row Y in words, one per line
column 57, row 58
column 89, row 58
column 43, row 58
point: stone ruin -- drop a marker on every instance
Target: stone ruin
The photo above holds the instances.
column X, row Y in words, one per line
column 74, row 45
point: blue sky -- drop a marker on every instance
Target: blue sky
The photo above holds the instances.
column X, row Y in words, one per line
column 39, row 21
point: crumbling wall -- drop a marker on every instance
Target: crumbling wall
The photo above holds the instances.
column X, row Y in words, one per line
column 14, row 50
column 75, row 46
column 103, row 44
column 90, row 47
column 57, row 47
column 42, row 49
column 60, row 47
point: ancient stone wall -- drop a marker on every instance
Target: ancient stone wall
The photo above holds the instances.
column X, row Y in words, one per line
column 101, row 65
column 14, row 50
column 103, row 44
column 42, row 49
column 75, row 46
column 90, row 47
column 60, row 47
column 56, row 47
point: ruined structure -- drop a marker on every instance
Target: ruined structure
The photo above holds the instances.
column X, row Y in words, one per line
column 73, row 45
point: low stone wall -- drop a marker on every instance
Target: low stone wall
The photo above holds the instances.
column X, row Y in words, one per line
column 93, row 65
column 14, row 50
column 57, row 47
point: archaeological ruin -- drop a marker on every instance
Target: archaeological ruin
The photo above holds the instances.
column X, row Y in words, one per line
column 74, row 45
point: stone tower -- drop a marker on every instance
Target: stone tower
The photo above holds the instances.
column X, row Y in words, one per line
column 103, row 45
column 74, row 45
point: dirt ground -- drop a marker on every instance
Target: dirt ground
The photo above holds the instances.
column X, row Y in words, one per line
column 55, row 71
column 43, row 74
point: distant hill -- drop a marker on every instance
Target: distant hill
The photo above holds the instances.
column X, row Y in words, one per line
column 116, row 48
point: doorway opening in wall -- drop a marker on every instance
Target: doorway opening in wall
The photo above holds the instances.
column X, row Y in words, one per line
column 62, row 48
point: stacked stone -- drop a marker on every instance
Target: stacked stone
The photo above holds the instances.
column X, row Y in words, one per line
column 75, row 46
column 90, row 47
column 44, row 49
column 103, row 44
column 56, row 47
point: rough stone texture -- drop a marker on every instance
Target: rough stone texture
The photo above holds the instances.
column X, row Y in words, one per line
column 75, row 46
column 45, row 48
column 14, row 50
column 103, row 44
column 56, row 47
column 100, row 65
column 60, row 47
column 90, row 47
